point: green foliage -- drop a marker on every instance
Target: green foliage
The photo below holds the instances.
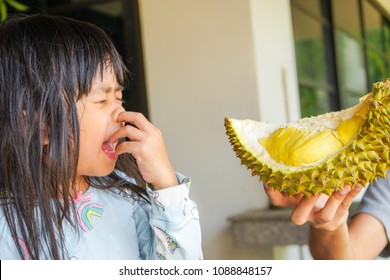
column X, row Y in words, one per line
column 14, row 4
column 311, row 102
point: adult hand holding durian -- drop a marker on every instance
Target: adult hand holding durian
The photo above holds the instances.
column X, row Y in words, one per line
column 319, row 154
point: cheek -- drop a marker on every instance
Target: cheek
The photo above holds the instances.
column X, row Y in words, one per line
column 90, row 138
column 91, row 133
column 85, row 147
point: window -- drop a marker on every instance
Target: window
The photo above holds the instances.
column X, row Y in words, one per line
column 310, row 53
column 120, row 20
column 338, row 56
column 374, row 25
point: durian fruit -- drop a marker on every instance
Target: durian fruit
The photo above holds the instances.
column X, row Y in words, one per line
column 319, row 154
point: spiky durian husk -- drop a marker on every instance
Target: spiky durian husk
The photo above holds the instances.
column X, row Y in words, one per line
column 365, row 159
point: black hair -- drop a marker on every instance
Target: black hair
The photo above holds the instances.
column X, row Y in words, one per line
column 47, row 63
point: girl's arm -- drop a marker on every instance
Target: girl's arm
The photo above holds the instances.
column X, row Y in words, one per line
column 169, row 228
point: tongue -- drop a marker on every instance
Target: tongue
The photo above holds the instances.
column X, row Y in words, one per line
column 108, row 146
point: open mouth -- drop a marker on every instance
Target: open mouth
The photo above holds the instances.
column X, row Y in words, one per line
column 109, row 149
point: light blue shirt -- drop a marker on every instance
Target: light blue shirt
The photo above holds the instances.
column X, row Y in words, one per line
column 376, row 202
column 118, row 224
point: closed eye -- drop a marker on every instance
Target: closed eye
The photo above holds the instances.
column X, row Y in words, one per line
column 121, row 100
column 104, row 102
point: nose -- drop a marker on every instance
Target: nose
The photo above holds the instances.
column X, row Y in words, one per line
column 116, row 112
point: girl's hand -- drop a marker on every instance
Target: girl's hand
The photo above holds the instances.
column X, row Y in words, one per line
column 320, row 211
column 148, row 148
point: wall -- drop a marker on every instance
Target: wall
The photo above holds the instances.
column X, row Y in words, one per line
column 275, row 61
column 206, row 60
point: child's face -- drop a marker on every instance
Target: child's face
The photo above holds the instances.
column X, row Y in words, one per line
column 98, row 111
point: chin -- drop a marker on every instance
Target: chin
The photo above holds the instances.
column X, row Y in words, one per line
column 100, row 172
column 106, row 172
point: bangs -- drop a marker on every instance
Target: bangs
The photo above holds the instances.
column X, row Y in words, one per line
column 93, row 49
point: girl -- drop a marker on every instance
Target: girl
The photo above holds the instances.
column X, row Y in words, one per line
column 70, row 187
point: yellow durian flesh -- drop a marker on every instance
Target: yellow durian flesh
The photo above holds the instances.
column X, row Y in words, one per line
column 322, row 153
column 296, row 146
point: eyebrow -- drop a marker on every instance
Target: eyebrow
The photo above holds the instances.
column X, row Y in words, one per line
column 108, row 88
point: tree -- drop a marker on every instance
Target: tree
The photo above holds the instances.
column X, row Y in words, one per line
column 4, row 8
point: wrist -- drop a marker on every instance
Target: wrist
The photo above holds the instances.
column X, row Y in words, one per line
column 165, row 182
column 330, row 244
column 329, row 230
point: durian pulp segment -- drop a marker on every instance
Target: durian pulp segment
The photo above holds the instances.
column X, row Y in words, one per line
column 300, row 145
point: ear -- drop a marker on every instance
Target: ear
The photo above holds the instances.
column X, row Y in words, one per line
column 45, row 134
column 45, row 138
